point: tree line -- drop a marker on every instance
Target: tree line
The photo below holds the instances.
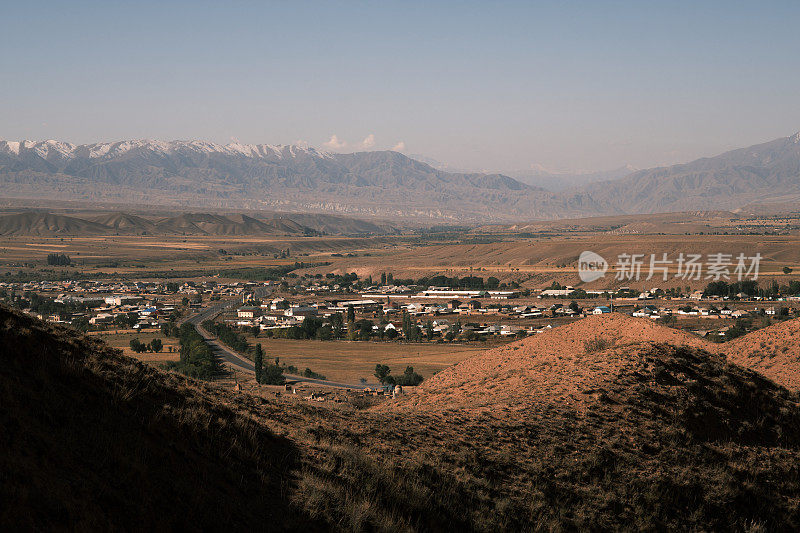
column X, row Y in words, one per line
column 196, row 358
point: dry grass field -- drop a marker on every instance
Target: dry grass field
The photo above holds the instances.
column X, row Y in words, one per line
column 347, row 361
column 537, row 262
column 140, row 254
column 121, row 340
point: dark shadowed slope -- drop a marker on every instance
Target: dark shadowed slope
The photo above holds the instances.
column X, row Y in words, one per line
column 641, row 436
column 92, row 440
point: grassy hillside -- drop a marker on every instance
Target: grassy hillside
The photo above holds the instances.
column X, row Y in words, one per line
column 669, row 437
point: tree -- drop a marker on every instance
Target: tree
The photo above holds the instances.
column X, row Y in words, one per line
column 58, row 259
column 383, row 278
column 351, row 314
column 156, row 345
column 258, row 361
column 272, row 375
column 787, row 270
column 364, row 329
column 382, row 373
column 337, row 325
column 492, row 283
column 409, row 377
column 138, row 346
column 429, row 329
column 172, row 286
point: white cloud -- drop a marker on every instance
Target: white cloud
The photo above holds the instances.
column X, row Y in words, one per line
column 369, row 141
column 399, row 147
column 334, row 143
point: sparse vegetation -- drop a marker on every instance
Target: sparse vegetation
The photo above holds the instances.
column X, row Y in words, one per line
column 598, row 344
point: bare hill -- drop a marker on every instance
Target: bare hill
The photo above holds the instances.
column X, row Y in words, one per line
column 48, row 224
column 565, row 364
column 773, row 351
column 125, row 223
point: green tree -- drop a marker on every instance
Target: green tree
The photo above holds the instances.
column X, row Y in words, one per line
column 258, row 361
column 337, row 325
column 272, row 375
column 364, row 329
column 156, row 345
column 409, row 377
column 138, row 346
column 429, row 329
column 382, row 373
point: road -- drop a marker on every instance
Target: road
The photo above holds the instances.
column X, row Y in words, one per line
column 241, row 363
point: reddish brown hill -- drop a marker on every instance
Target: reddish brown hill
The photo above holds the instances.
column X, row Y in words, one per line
column 773, row 351
column 558, row 365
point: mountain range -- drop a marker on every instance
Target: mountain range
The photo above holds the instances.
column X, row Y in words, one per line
column 383, row 184
column 42, row 223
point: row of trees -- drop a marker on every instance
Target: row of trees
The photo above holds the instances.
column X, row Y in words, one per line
column 58, row 259
column 154, row 345
column 407, row 378
column 268, row 373
column 228, row 335
column 196, row 358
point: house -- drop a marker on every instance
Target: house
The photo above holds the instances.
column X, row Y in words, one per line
column 453, row 304
column 503, row 295
column 301, row 310
column 279, row 304
column 474, row 305
column 248, row 312
column 601, row 309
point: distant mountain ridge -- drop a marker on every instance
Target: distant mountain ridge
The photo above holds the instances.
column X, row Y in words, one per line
column 383, row 184
column 764, row 173
column 288, row 178
column 45, row 224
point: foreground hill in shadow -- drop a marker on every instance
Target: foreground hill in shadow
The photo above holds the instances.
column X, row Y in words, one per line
column 622, row 434
column 95, row 441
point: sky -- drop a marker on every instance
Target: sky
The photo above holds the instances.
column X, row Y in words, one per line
column 497, row 86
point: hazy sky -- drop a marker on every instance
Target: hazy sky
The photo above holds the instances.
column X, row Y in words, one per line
column 482, row 85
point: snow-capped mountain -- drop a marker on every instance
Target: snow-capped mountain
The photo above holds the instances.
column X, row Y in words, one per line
column 51, row 149
column 286, row 177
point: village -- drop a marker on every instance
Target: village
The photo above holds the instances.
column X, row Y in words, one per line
column 384, row 311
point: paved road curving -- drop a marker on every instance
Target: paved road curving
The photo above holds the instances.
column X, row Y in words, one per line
column 241, row 363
